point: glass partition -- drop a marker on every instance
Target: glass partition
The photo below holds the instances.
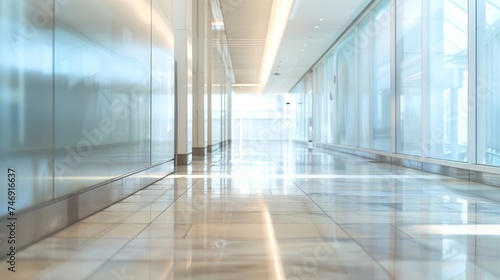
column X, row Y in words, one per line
column 409, row 54
column 347, row 101
column 79, row 103
column 162, row 82
column 364, row 45
column 488, row 82
column 353, row 95
column 381, row 87
column 102, row 92
column 448, row 76
column 26, row 102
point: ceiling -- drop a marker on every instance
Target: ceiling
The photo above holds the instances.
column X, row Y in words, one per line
column 313, row 26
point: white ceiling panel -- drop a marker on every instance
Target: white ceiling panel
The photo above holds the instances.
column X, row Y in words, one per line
column 312, row 28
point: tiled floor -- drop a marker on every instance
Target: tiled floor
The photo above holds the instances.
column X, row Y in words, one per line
column 264, row 210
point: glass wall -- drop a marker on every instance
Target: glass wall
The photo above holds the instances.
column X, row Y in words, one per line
column 448, row 76
column 346, row 93
column 364, row 45
column 488, row 82
column 26, row 101
column 84, row 99
column 381, row 92
column 163, row 83
column 319, row 93
column 108, row 133
column 300, row 117
column 409, row 36
column 442, row 94
column 351, row 93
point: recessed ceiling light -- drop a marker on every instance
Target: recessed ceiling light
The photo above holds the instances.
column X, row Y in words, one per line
column 316, row 27
column 320, row 19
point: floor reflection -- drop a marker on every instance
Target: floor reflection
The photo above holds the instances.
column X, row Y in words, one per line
column 271, row 210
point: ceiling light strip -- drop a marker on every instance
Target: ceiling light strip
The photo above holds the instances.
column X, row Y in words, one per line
column 279, row 17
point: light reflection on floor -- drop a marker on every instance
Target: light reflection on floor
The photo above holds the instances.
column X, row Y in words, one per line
column 272, row 210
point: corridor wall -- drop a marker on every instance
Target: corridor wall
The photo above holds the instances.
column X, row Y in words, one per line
column 86, row 104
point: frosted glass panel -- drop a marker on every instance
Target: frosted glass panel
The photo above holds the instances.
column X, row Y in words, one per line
column 102, row 94
column 364, row 83
column 163, row 95
column 75, row 93
column 347, row 102
column 320, row 100
column 26, row 98
column 488, row 82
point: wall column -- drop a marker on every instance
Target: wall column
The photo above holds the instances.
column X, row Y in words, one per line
column 183, row 11
column 201, row 21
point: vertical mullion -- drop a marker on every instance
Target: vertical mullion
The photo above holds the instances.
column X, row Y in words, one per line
column 481, row 87
column 371, row 69
column 472, row 96
column 398, row 51
column 425, row 141
column 393, row 72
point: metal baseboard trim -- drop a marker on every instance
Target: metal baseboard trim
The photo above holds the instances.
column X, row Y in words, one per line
column 40, row 222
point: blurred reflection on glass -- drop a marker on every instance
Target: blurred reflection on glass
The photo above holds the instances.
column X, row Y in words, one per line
column 488, row 82
column 26, row 101
column 104, row 121
column 163, row 96
column 381, row 95
column 364, row 82
column 409, row 29
column 448, row 75
column 347, row 101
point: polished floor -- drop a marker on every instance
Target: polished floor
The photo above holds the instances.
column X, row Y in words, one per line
column 272, row 210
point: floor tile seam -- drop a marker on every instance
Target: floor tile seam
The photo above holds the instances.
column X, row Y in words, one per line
column 439, row 182
column 353, row 239
column 135, row 212
column 463, row 192
column 96, row 270
column 101, row 234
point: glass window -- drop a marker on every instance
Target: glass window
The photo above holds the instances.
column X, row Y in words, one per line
column 300, row 125
column 320, row 114
column 488, row 82
column 329, row 101
column 347, row 104
column 448, row 89
column 104, row 67
column 26, row 103
column 381, row 99
column 364, row 43
column 409, row 30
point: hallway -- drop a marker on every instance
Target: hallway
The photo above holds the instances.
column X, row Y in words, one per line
column 280, row 210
